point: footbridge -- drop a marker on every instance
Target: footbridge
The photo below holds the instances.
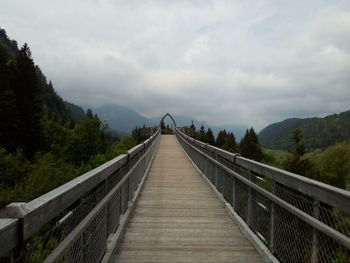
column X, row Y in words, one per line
column 175, row 199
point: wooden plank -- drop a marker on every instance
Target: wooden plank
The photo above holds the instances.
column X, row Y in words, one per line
column 179, row 219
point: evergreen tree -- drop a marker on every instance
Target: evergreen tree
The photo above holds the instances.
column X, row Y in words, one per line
column 162, row 125
column 192, row 130
column 295, row 162
column 249, row 146
column 29, row 103
column 200, row 135
column 136, row 134
column 230, row 142
column 9, row 115
column 52, row 102
column 12, row 47
column 209, row 137
column 220, row 139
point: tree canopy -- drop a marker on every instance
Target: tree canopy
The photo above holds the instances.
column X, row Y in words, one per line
column 249, row 146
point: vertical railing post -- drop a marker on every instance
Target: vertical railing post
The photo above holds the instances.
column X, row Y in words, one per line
column 106, row 223
column 236, row 191
column 205, row 161
column 216, row 170
column 202, row 163
column 315, row 241
column 145, row 164
column 272, row 220
column 224, row 185
column 120, row 205
column 252, row 204
column 217, row 176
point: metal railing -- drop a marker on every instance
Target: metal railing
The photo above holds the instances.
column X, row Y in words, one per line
column 73, row 222
column 298, row 219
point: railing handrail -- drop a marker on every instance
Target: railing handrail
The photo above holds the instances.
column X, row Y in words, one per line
column 333, row 196
column 28, row 218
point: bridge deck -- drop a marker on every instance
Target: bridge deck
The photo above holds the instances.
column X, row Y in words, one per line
column 178, row 218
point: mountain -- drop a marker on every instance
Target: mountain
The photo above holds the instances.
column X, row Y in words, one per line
column 121, row 118
column 76, row 111
column 318, row 132
column 181, row 121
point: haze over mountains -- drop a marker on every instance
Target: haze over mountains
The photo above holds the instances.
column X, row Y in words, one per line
column 124, row 119
column 317, row 132
column 121, row 118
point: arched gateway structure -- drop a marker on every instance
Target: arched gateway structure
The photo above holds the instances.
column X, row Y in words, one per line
column 171, row 117
column 167, row 129
column 175, row 199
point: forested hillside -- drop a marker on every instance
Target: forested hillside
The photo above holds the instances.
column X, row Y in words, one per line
column 44, row 141
column 318, row 132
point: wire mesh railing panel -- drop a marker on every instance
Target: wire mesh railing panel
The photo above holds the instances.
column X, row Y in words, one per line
column 73, row 254
column 262, row 218
column 94, row 238
column 113, row 212
column 52, row 234
column 292, row 237
column 228, row 187
column 241, row 199
column 293, row 225
column 219, row 182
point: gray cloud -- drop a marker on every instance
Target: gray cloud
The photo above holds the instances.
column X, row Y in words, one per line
column 249, row 62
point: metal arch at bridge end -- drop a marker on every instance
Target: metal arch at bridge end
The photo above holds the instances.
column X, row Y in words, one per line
column 171, row 117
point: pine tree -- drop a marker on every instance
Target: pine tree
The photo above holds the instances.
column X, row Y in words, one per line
column 9, row 115
column 249, row 146
column 230, row 142
column 200, row 135
column 28, row 100
column 209, row 137
column 220, row 139
column 136, row 134
column 295, row 162
column 162, row 125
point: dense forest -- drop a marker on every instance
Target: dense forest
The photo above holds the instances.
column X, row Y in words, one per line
column 331, row 165
column 318, row 133
column 44, row 140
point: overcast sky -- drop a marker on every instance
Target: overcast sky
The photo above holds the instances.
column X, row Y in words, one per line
column 249, row 62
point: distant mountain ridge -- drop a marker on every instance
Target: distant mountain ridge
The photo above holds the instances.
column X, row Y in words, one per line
column 122, row 118
column 77, row 112
column 318, row 132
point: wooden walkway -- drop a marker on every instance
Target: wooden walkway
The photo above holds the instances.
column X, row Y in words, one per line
column 178, row 218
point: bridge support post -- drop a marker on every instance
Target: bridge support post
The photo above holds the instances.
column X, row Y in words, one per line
column 215, row 181
column 235, row 194
column 315, row 241
column 15, row 211
column 252, row 203
column 272, row 221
